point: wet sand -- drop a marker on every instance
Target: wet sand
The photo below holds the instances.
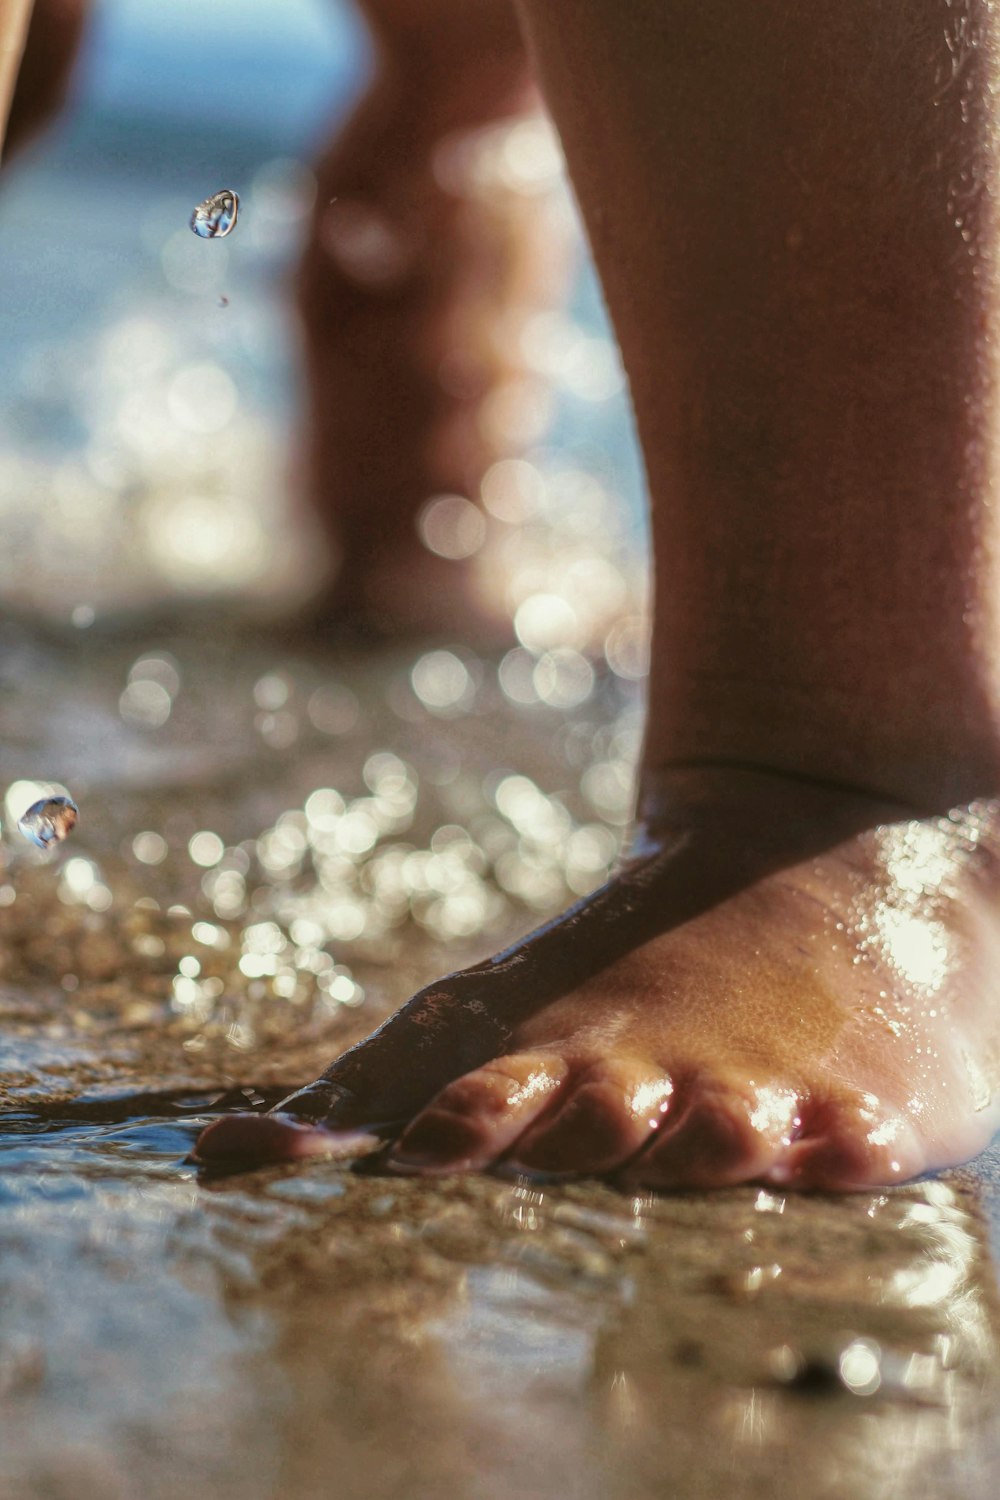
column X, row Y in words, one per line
column 308, row 1331
column 278, row 842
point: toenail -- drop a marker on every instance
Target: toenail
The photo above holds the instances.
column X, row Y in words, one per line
column 432, row 1145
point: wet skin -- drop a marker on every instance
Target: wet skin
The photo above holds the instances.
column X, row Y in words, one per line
column 785, row 983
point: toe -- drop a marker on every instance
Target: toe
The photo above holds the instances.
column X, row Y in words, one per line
column 606, row 1115
column 474, row 1120
column 849, row 1142
column 273, row 1138
column 726, row 1132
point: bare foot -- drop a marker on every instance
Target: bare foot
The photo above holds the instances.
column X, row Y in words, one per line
column 786, row 983
column 421, row 269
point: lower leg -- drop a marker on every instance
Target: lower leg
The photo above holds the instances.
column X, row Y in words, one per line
column 791, row 978
column 793, row 216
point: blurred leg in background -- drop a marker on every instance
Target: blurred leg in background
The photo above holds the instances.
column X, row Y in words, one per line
column 425, row 257
column 433, row 240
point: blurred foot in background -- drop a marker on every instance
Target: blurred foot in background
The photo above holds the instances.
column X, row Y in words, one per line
column 434, row 239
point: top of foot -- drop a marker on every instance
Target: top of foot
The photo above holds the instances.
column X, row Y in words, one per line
column 785, row 983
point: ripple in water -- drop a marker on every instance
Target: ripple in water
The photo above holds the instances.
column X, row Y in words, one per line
column 215, row 217
column 49, row 821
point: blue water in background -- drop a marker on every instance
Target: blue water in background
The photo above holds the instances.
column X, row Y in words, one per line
column 170, row 102
column 269, row 72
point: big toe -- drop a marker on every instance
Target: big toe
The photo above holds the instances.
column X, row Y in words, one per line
column 260, row 1139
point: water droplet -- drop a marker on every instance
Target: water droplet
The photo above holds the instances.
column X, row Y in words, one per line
column 216, row 216
column 49, row 821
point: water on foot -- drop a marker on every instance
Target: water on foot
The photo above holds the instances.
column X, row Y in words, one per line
column 785, row 983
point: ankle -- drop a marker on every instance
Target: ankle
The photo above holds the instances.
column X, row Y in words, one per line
column 732, row 795
column 929, row 756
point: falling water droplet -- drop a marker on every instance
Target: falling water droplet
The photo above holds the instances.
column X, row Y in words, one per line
column 49, row 821
column 215, row 217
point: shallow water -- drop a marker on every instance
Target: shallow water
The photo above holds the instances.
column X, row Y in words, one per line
column 285, row 1331
column 278, row 841
column 260, row 1335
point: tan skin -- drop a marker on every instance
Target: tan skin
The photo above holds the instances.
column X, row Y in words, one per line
column 50, row 48
column 791, row 978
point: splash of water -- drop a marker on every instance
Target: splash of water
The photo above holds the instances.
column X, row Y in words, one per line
column 215, row 217
column 49, row 821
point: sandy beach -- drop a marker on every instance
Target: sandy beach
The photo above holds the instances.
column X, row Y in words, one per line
column 281, row 837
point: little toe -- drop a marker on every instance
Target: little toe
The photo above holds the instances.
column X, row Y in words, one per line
column 473, row 1121
column 605, row 1116
column 850, row 1142
column 726, row 1132
column 262, row 1139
